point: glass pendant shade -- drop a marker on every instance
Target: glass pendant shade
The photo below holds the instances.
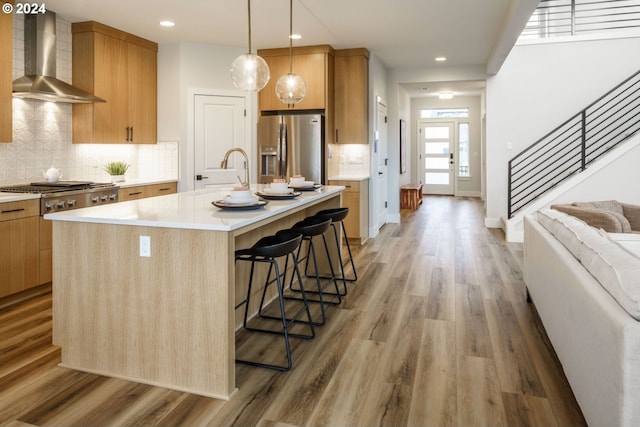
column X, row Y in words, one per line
column 290, row 88
column 249, row 72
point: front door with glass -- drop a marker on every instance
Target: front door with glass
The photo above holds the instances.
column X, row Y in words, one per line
column 437, row 159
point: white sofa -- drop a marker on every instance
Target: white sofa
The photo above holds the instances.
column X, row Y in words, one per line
column 586, row 288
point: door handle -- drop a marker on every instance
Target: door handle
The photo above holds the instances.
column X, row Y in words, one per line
column 380, row 173
column 200, row 177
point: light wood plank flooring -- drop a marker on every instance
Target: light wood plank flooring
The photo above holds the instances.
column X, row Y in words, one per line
column 436, row 332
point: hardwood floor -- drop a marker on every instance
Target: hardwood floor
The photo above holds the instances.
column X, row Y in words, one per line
column 436, row 332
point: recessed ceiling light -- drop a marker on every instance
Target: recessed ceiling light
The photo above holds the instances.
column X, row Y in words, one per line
column 167, row 23
column 295, row 36
column 445, row 95
column 441, row 58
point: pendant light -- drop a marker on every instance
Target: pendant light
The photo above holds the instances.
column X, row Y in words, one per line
column 249, row 71
column 290, row 87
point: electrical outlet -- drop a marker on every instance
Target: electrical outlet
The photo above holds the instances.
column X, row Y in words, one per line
column 145, row 246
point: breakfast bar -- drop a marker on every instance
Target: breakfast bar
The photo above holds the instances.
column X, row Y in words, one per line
column 145, row 290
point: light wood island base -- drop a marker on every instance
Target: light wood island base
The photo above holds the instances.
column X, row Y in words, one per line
column 166, row 320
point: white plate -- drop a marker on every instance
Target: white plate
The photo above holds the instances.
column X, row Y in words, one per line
column 236, row 201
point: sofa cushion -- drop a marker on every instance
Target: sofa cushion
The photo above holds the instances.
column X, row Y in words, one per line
column 599, row 218
column 613, row 207
column 632, row 213
column 607, row 205
column 615, row 268
column 630, row 242
column 567, row 229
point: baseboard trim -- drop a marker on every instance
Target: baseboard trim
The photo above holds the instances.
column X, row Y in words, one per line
column 468, row 194
column 493, row 222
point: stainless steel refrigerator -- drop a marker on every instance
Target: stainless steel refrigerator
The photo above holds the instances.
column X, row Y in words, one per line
column 291, row 144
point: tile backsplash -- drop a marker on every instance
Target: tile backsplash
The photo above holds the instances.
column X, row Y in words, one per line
column 42, row 133
column 353, row 159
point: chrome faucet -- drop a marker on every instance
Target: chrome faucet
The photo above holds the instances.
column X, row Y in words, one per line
column 224, row 162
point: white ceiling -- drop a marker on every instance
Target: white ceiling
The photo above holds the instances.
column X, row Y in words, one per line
column 403, row 34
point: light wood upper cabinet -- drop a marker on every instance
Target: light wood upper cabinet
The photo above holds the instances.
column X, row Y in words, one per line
column 313, row 63
column 143, row 94
column 122, row 69
column 351, row 96
column 6, row 75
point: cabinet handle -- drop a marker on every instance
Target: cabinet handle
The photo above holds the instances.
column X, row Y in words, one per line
column 127, row 138
column 136, row 193
column 12, row 210
column 164, row 189
column 131, row 134
column 336, row 136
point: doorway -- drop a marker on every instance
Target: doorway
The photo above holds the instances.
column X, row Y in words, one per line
column 219, row 124
column 437, row 156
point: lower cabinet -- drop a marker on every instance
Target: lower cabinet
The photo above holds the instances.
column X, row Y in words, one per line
column 19, row 256
column 26, row 249
column 356, row 198
column 144, row 191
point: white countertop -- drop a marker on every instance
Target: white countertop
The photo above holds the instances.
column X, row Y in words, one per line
column 348, row 177
column 189, row 210
column 142, row 181
column 16, row 197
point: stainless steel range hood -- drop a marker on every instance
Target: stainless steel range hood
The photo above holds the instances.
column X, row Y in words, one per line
column 39, row 81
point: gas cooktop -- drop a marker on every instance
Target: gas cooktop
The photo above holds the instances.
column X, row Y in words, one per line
column 55, row 187
column 65, row 195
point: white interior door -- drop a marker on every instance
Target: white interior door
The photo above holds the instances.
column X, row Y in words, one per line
column 219, row 125
column 437, row 159
column 380, row 142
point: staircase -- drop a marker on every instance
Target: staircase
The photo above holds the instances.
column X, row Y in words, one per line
column 26, row 339
column 573, row 152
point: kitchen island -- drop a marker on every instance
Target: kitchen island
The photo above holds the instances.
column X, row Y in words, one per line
column 145, row 290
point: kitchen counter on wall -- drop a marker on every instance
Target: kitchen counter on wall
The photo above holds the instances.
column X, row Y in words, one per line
column 142, row 181
column 146, row 289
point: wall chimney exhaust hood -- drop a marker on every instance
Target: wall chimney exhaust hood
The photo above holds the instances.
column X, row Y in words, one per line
column 39, row 81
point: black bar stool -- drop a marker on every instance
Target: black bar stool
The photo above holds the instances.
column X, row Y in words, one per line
column 268, row 250
column 337, row 216
column 309, row 228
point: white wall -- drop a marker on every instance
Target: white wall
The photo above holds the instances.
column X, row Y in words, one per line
column 399, row 107
column 188, row 68
column 616, row 181
column 538, row 88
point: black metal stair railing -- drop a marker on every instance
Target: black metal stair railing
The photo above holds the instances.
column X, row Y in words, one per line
column 574, row 145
